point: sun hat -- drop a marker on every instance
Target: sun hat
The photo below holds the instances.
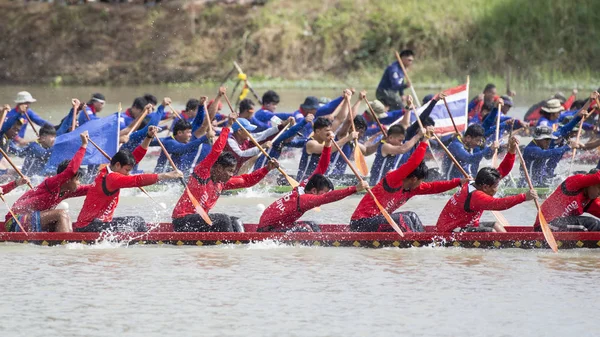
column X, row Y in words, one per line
column 378, row 108
column 245, row 123
column 553, row 106
column 24, row 97
column 543, row 132
column 507, row 100
column 310, row 103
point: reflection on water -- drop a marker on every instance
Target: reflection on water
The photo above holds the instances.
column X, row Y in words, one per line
column 300, row 291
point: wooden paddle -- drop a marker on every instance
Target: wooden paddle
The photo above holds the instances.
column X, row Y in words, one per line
column 13, row 215
column 14, row 166
column 359, row 157
column 385, row 213
column 140, row 187
column 136, row 123
column 543, row 223
column 576, row 142
column 174, row 111
column 31, row 123
column 193, row 199
column 290, row 180
column 412, row 88
column 375, row 117
column 209, row 122
column 495, row 157
column 451, row 118
column 239, row 69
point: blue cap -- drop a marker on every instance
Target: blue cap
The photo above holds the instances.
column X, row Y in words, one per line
column 245, row 124
column 507, row 100
column 427, row 98
column 310, row 103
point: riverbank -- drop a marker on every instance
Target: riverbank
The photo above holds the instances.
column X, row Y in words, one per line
column 330, row 43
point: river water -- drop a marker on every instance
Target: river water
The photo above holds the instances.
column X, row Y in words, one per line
column 265, row 289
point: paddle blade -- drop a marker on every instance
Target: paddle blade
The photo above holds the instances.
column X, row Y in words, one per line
column 388, row 217
column 198, row 207
column 289, row 179
column 547, row 232
column 361, row 163
column 500, row 218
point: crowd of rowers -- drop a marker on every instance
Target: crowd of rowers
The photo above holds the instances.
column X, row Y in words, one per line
column 210, row 149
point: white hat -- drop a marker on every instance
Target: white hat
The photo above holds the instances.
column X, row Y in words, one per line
column 24, row 97
column 553, row 106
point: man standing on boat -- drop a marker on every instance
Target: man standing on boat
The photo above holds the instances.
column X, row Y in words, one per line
column 463, row 211
column 394, row 190
column 393, row 82
column 22, row 109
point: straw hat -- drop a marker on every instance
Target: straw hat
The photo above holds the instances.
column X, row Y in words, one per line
column 378, row 108
column 553, row 106
column 24, row 97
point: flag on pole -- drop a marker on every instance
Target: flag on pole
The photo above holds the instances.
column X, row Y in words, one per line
column 104, row 132
column 457, row 99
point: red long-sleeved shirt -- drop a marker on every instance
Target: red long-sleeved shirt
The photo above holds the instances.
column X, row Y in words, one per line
column 103, row 195
column 389, row 191
column 569, row 198
column 204, row 189
column 283, row 213
column 47, row 194
column 467, row 205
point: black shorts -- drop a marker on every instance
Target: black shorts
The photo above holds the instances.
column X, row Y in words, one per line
column 390, row 98
column 407, row 221
column 574, row 224
column 299, row 226
column 117, row 224
column 220, row 223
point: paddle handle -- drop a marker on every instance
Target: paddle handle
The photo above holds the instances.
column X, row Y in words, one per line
column 13, row 214
column 174, row 111
column 450, row 114
column 375, row 117
column 354, row 170
column 498, row 123
column 37, row 134
column 412, row 89
column 5, row 155
column 451, row 156
column 138, row 121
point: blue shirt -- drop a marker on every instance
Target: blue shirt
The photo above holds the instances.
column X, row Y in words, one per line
column 183, row 155
column 540, row 162
column 279, row 143
column 32, row 115
column 35, row 156
column 393, row 79
column 382, row 165
column 468, row 159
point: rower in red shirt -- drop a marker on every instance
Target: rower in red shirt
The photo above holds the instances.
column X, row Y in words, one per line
column 463, row 211
column 576, row 195
column 35, row 209
column 318, row 190
column 210, row 177
column 102, row 198
column 394, row 190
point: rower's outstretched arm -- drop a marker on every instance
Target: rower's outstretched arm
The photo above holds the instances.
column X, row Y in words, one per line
column 203, row 167
column 483, row 202
column 310, row 201
column 395, row 177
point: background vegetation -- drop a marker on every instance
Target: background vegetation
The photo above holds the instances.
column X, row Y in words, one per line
column 546, row 43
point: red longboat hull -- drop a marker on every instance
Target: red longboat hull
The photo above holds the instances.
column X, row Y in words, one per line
column 331, row 235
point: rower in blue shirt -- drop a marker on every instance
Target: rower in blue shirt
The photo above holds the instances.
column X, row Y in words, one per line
column 468, row 152
column 24, row 100
column 285, row 140
column 184, row 151
column 263, row 116
column 540, row 159
column 393, row 82
column 36, row 153
column 312, row 106
column 89, row 111
column 550, row 113
column 390, row 151
column 337, row 165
